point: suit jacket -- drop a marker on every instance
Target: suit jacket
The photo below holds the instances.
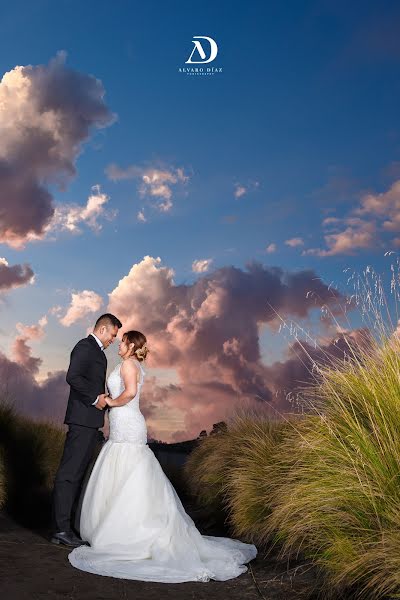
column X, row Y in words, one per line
column 86, row 377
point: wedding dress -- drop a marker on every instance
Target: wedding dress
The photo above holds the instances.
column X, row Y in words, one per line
column 133, row 518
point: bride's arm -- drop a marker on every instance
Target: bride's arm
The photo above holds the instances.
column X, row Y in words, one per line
column 129, row 375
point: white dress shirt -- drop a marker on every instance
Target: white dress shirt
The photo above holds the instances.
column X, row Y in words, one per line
column 100, row 343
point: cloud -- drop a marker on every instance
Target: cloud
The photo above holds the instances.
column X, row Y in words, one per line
column 384, row 206
column 15, row 276
column 154, row 182
column 141, row 216
column 208, row 332
column 82, row 304
column 242, row 190
column 21, row 351
column 374, row 222
column 270, row 249
column 69, row 216
column 289, row 375
column 295, row 242
column 46, row 113
column 47, row 400
column 201, row 266
column 359, row 234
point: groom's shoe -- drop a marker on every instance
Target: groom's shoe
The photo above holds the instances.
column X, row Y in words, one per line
column 66, row 538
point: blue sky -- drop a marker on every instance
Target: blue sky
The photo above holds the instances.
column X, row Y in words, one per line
column 303, row 118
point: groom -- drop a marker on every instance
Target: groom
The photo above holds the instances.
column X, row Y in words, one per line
column 86, row 377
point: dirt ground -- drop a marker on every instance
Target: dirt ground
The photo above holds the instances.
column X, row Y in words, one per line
column 31, row 568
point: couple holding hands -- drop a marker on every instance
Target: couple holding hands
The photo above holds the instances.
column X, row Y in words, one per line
column 132, row 522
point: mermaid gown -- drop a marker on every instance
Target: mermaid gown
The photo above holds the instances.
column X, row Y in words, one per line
column 133, row 518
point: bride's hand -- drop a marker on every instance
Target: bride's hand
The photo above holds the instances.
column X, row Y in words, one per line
column 108, row 400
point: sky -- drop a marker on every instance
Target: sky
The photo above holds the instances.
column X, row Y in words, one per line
column 203, row 208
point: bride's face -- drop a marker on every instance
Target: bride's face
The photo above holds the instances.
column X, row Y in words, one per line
column 125, row 349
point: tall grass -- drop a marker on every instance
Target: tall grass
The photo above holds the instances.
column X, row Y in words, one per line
column 247, row 488
column 230, row 472
column 31, row 452
column 207, row 466
column 325, row 484
column 340, row 503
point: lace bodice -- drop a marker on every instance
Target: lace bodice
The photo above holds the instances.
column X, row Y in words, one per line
column 127, row 424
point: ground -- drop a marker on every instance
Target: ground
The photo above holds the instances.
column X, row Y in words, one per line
column 31, row 568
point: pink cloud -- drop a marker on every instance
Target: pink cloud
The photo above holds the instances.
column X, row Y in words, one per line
column 368, row 225
column 46, row 113
column 208, row 332
column 15, row 276
column 21, row 351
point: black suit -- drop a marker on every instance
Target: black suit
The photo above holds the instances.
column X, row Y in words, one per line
column 86, row 377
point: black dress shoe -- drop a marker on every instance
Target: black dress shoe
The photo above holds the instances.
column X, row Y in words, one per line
column 67, row 538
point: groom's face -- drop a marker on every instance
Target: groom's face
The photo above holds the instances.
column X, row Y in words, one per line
column 107, row 334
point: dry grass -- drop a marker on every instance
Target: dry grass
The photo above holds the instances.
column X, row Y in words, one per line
column 326, row 484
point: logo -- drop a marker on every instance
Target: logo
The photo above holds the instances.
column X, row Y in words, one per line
column 197, row 53
column 199, row 48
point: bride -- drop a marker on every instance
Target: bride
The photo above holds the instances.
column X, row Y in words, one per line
column 131, row 515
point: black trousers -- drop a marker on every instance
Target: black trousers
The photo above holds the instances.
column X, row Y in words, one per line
column 79, row 448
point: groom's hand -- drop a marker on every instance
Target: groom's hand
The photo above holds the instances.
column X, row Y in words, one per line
column 101, row 403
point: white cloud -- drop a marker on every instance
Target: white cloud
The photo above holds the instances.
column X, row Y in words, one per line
column 141, row 216
column 82, row 304
column 158, row 183
column 270, row 249
column 240, row 191
column 70, row 216
column 243, row 189
column 202, row 265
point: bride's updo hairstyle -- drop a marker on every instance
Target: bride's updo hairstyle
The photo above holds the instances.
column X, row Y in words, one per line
column 140, row 349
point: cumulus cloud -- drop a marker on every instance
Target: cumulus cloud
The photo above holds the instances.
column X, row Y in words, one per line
column 69, row 216
column 15, row 276
column 46, row 113
column 270, row 248
column 201, row 265
column 158, row 183
column 82, row 304
column 208, row 332
column 374, row 222
column 21, row 351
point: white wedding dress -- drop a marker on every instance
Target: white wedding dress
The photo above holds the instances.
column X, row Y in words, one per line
column 133, row 518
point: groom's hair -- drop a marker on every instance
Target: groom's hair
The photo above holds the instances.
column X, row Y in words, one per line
column 107, row 319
